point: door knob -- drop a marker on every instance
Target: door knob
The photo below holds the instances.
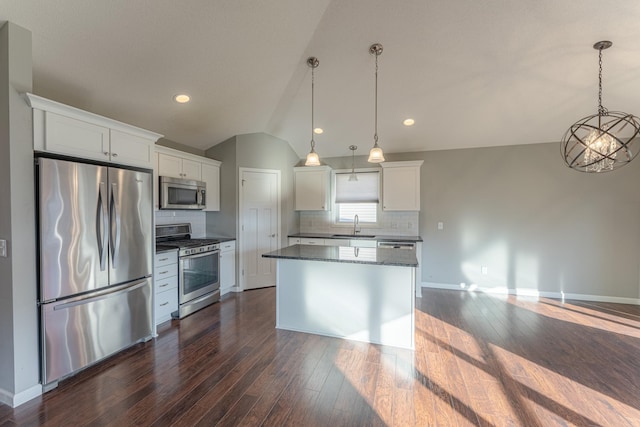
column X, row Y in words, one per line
column 273, row 235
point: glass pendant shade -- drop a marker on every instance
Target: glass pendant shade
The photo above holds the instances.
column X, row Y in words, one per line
column 604, row 141
column 376, row 155
column 312, row 159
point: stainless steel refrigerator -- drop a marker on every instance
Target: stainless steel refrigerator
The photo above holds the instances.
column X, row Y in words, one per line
column 96, row 263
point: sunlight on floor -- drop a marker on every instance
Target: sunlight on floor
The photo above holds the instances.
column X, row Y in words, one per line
column 581, row 315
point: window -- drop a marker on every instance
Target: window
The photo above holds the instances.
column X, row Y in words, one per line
column 359, row 197
column 367, row 212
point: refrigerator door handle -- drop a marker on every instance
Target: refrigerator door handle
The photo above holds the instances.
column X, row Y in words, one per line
column 115, row 226
column 102, row 220
column 102, row 295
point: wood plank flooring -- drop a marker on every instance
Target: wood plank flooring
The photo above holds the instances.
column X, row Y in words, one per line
column 480, row 360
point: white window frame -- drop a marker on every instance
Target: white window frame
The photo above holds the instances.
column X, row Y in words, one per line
column 334, row 207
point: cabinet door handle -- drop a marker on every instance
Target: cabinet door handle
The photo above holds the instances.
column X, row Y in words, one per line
column 114, row 154
column 163, row 272
column 164, row 285
column 106, row 153
column 163, row 259
column 165, row 303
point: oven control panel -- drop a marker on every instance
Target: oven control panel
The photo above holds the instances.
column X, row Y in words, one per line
column 199, row 249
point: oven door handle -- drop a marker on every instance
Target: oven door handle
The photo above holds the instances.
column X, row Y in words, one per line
column 201, row 254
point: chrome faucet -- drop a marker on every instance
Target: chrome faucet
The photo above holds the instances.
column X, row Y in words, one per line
column 355, row 224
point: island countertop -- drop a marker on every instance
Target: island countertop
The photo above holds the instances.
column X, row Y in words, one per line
column 373, row 256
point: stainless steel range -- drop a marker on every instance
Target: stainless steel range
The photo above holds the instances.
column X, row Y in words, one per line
column 198, row 267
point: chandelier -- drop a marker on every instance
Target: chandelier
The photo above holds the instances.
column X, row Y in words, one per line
column 604, row 141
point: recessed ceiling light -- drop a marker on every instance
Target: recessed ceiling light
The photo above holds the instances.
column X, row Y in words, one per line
column 182, row 98
column 408, row 122
column 318, row 131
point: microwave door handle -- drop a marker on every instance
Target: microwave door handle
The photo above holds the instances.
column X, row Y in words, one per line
column 115, row 225
column 203, row 197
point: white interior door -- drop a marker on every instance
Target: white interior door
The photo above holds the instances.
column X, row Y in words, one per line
column 259, row 226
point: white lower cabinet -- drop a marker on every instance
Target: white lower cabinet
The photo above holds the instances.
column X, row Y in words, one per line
column 165, row 285
column 227, row 266
column 311, row 241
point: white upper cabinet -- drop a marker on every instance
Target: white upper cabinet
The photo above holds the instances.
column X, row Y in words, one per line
column 61, row 129
column 401, row 186
column 178, row 164
column 312, row 188
column 179, row 167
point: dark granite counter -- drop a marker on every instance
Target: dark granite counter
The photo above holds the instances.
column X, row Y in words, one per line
column 373, row 256
column 162, row 248
column 221, row 239
column 379, row 238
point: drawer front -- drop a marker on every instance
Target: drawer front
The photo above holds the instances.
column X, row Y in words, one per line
column 165, row 258
column 228, row 246
column 294, row 240
column 166, row 303
column 163, row 285
column 165, row 271
column 309, row 241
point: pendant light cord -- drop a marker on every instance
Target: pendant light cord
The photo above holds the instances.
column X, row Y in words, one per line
column 375, row 135
column 313, row 69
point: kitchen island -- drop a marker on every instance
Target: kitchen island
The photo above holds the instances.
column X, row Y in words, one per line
column 364, row 294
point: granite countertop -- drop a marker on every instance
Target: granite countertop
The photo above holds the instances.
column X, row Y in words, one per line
column 373, row 256
column 379, row 238
column 163, row 248
column 221, row 238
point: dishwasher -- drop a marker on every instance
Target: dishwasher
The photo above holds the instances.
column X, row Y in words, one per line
column 397, row 245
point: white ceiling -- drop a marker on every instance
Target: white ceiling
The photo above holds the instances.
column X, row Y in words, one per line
column 471, row 73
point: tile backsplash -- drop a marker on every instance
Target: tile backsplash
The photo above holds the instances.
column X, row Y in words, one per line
column 389, row 223
column 197, row 219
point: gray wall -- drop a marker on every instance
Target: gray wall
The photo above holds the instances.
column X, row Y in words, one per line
column 177, row 146
column 19, row 367
column 255, row 150
column 534, row 223
column 224, row 223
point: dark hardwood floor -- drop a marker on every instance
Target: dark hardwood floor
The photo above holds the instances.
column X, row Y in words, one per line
column 479, row 360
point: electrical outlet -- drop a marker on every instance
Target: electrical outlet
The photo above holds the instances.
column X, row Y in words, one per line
column 3, row 248
column 440, row 225
column 484, row 269
column 394, row 225
column 410, row 225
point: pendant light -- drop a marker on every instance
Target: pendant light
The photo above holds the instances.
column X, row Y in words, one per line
column 376, row 155
column 604, row 141
column 353, row 176
column 312, row 158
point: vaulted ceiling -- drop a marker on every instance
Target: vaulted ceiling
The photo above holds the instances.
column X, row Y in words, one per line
column 470, row 73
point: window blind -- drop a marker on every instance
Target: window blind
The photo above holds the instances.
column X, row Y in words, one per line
column 365, row 190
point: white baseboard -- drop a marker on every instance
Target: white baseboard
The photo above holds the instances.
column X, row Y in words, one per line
column 533, row 293
column 15, row 400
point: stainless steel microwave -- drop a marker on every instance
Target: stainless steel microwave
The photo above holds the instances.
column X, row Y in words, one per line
column 177, row 193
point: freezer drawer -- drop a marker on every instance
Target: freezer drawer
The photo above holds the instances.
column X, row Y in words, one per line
column 80, row 331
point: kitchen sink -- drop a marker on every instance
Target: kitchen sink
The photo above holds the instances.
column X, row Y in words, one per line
column 355, row 236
